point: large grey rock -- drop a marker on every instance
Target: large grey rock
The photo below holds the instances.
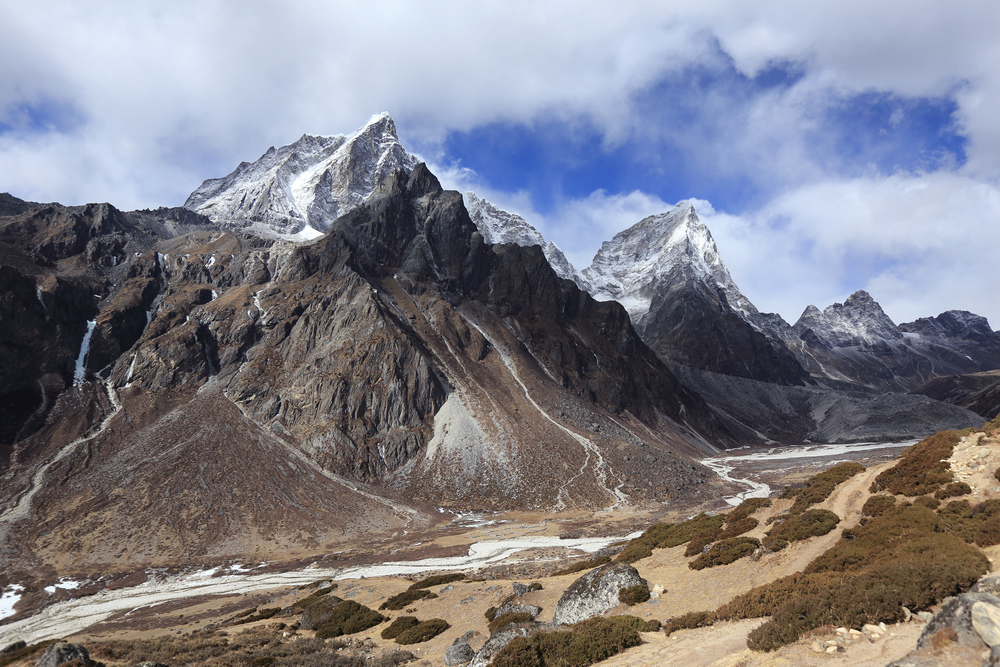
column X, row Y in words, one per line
column 458, row 654
column 512, row 605
column 57, row 654
column 986, row 621
column 595, row 592
column 496, row 642
column 956, row 613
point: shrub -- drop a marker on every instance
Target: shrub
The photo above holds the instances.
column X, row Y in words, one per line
column 746, row 508
column 423, row 631
column 505, row 619
column 633, row 595
column 929, row 502
column 587, row 642
column 952, row 490
column 397, row 602
column 810, row 523
column 652, row 625
column 519, row 652
column 820, row 486
column 536, row 586
column 693, row 619
column 738, row 527
column 590, row 564
column 725, row 552
column 876, row 505
column 261, row 615
column 437, row 580
column 397, row 627
column 349, row 617
column 900, row 557
column 490, row 613
column 314, row 597
column 702, row 540
column 922, row 468
column 996, row 474
column 665, row 536
column 992, row 426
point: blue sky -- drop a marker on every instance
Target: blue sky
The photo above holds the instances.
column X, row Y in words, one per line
column 829, row 146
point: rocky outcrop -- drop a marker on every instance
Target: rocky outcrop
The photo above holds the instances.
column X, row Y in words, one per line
column 595, row 593
column 458, row 653
column 963, row 629
column 979, row 392
column 63, row 652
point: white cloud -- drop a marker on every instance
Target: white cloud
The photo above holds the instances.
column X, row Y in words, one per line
column 166, row 95
column 919, row 244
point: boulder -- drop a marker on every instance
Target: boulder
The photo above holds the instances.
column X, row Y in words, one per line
column 511, row 605
column 956, row 613
column 57, row 654
column 595, row 592
column 458, row 653
column 986, row 621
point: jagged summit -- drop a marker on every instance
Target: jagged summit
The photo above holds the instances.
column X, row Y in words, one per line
column 860, row 319
column 299, row 189
column 499, row 226
column 657, row 251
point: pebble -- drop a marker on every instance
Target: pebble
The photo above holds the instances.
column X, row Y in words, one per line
column 831, row 649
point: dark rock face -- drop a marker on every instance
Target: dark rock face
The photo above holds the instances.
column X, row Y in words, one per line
column 595, row 592
column 399, row 350
column 458, row 653
column 979, row 392
column 857, row 342
column 57, row 654
column 692, row 326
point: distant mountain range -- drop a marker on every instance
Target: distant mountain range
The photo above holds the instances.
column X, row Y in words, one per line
column 326, row 344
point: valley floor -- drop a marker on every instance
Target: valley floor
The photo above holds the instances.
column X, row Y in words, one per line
column 521, row 547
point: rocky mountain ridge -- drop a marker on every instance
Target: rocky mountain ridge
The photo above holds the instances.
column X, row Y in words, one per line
column 298, row 190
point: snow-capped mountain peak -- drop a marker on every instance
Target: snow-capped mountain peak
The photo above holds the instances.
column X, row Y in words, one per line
column 860, row 319
column 499, row 226
column 297, row 190
column 659, row 250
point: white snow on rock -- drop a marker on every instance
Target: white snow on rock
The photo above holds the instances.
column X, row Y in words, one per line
column 499, row 226
column 296, row 191
column 658, row 251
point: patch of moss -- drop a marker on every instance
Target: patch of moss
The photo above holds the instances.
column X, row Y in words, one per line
column 876, row 505
column 952, row 490
column 665, row 536
column 922, row 468
column 819, row 487
column 901, row 557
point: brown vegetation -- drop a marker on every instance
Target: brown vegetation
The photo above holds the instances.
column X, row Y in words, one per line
column 725, row 552
column 400, row 601
column 923, row 468
column 587, row 642
column 810, row 523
